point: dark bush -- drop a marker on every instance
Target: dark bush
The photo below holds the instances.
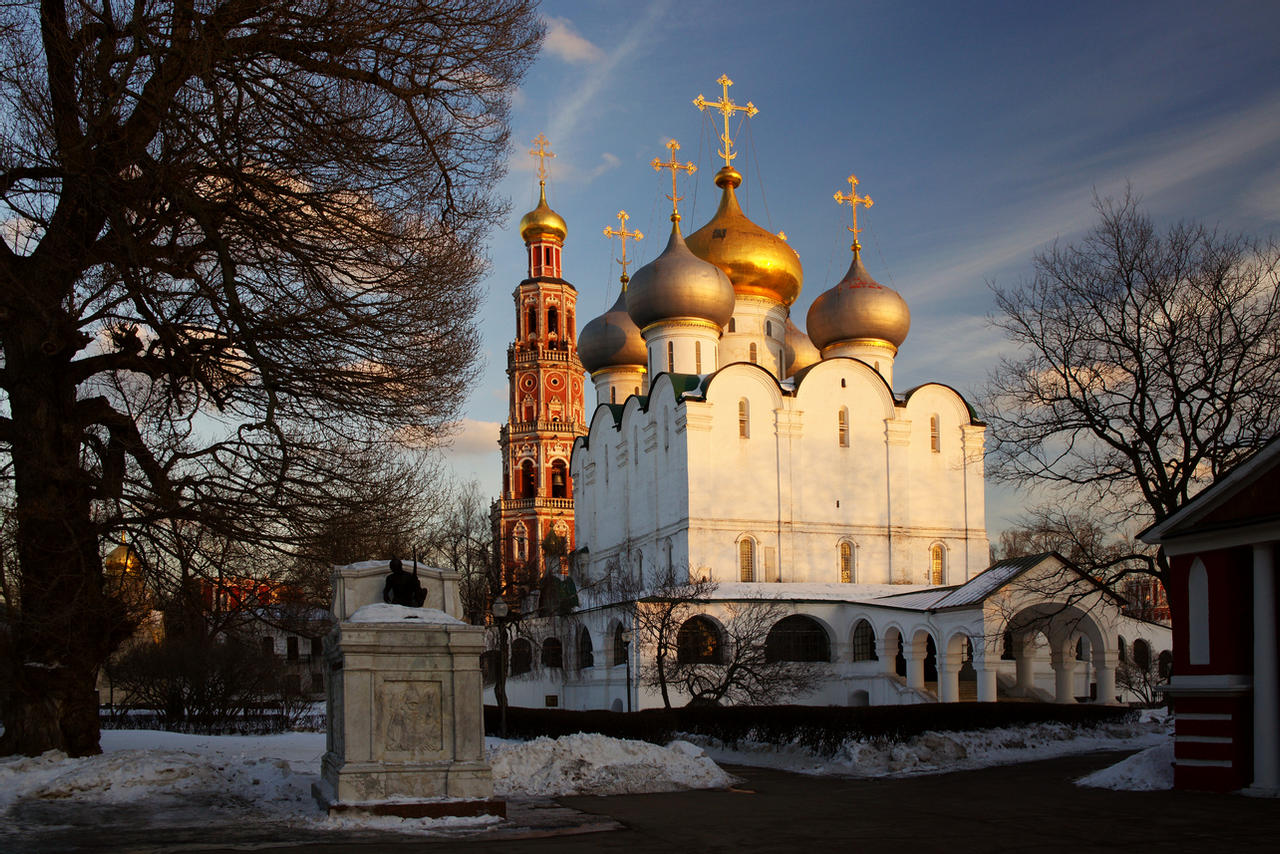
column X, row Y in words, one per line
column 820, row 728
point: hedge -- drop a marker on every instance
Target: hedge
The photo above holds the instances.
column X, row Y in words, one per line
column 821, row 729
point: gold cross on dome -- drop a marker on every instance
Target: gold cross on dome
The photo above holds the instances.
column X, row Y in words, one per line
column 852, row 199
column 676, row 167
column 621, row 232
column 541, row 152
column 727, row 109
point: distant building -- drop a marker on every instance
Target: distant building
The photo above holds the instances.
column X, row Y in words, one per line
column 1223, row 548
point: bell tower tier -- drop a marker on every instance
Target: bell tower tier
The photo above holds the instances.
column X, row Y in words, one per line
column 546, row 409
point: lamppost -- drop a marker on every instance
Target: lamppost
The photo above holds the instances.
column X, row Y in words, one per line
column 500, row 613
column 626, row 639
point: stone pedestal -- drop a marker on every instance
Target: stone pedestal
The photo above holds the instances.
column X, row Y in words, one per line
column 405, row 721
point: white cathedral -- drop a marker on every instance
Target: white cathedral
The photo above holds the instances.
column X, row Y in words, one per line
column 728, row 444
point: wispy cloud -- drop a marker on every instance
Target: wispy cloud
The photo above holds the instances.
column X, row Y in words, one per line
column 564, row 42
column 475, row 437
column 1155, row 164
column 600, row 73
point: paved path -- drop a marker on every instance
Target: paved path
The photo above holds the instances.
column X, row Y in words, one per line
column 1014, row 808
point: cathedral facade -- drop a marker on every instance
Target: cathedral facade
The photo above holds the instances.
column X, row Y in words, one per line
column 730, row 447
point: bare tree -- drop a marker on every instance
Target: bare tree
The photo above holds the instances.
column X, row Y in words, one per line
column 460, row 538
column 725, row 661
column 242, row 238
column 1148, row 364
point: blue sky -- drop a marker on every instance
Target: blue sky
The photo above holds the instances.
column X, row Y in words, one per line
column 981, row 130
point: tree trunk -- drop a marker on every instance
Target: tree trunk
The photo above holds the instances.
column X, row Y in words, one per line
column 64, row 627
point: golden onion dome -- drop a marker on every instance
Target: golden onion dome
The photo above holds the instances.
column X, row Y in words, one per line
column 612, row 340
column 800, row 351
column 121, row 561
column 542, row 220
column 858, row 308
column 677, row 285
column 757, row 262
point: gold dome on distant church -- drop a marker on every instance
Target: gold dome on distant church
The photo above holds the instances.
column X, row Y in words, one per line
column 757, row 262
column 542, row 221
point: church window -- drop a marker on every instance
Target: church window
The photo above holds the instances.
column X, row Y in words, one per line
column 521, row 656
column 528, row 479
column 635, row 447
column 697, row 357
column 586, row 653
column 698, row 642
column 671, row 356
column 842, row 426
column 937, row 564
column 1121, row 651
column 552, row 653
column 768, row 328
column 518, row 539
column 619, row 646
column 747, row 559
column 751, row 352
column 531, row 321
column 864, row 642
column 733, row 326
column 935, row 435
column 846, row 562
column 559, row 480
column 635, row 390
column 1198, row 614
column 797, row 638
column 744, row 423
column 553, row 321
column 613, row 394
column 1141, row 654
column 842, row 382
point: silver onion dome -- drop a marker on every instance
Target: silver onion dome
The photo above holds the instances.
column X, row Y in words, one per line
column 677, row 285
column 612, row 340
column 858, row 308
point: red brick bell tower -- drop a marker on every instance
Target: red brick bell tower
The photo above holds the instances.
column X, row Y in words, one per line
column 546, row 404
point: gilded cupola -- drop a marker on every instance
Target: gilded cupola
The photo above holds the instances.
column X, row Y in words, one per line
column 542, row 221
column 757, row 263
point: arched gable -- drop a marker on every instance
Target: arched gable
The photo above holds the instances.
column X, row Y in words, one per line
column 930, row 397
column 816, row 383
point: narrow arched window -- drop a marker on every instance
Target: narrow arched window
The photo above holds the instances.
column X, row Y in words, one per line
column 697, row 357
column 935, row 435
column 1198, row 614
column 531, row 324
column 864, row 642
column 586, row 652
column 937, row 564
column 744, row 421
column 768, row 328
column 619, row 646
column 842, row 426
column 846, row 563
column 613, row 394
column 733, row 327
column 553, row 321
column 671, row 356
column 747, row 559
column 751, row 352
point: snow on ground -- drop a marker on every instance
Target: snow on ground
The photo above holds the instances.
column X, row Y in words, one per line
column 1148, row 771
column 939, row 752
column 599, row 765
column 268, row 778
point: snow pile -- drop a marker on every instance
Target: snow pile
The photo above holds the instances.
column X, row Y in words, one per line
column 271, row 773
column 381, row 612
column 590, row 764
column 1148, row 771
column 935, row 752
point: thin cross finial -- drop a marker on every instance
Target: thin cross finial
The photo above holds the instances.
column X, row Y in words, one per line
column 727, row 108
column 852, row 199
column 621, row 232
column 541, row 152
column 676, row 167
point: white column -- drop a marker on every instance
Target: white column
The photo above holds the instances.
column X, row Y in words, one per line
column 1104, row 677
column 1063, row 660
column 1266, row 698
column 1025, row 656
column 915, row 653
column 948, row 679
